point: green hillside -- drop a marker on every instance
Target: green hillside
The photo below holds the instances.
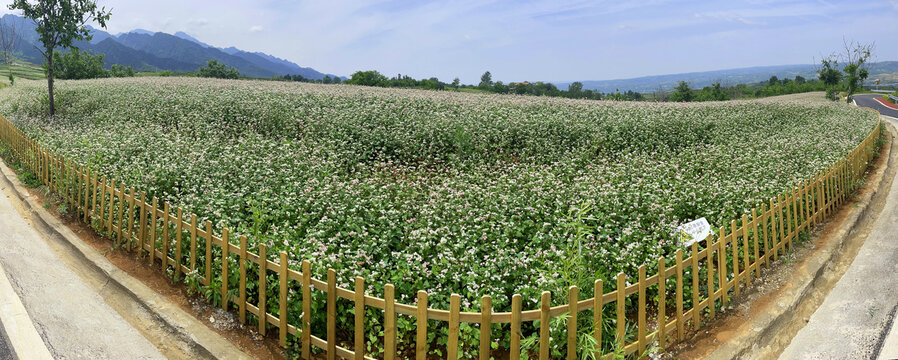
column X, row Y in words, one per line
column 22, row 70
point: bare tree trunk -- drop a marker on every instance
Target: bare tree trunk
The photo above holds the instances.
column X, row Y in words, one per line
column 8, row 34
column 50, row 80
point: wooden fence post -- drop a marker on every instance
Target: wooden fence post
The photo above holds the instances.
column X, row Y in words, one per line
column 621, row 315
column 121, row 211
column 152, row 239
column 179, row 229
column 142, row 227
column 332, row 316
column 662, row 301
column 225, row 245
column 102, row 203
column 421, row 328
column 130, row 230
column 306, row 309
column 208, row 257
column 781, row 203
column 360, row 317
column 165, row 238
column 241, row 261
column 544, row 325
column 681, row 330
column 696, row 310
column 282, row 302
column 772, row 219
column 486, row 310
column 86, row 213
column 452, row 344
column 515, row 347
column 745, row 260
column 193, row 230
column 709, row 263
column 736, row 277
column 754, row 231
column 263, row 282
column 111, row 206
column 640, row 312
column 598, row 291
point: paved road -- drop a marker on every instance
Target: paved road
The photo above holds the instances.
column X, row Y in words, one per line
column 73, row 320
column 868, row 100
column 854, row 320
column 5, row 354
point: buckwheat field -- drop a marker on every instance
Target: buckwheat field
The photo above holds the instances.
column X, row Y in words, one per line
column 440, row 191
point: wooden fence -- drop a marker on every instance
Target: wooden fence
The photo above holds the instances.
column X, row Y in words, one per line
column 716, row 268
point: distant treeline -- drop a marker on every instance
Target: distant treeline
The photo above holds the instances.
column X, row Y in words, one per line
column 682, row 93
column 85, row 65
column 772, row 87
column 539, row 88
column 326, row 80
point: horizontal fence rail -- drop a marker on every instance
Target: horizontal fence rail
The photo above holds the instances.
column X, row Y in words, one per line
column 714, row 271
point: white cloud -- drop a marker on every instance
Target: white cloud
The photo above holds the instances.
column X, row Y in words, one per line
column 255, row 28
column 198, row 22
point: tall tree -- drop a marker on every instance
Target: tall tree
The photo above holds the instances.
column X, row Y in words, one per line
column 456, row 82
column 574, row 89
column 486, row 80
column 59, row 23
column 856, row 56
column 682, row 93
column 829, row 75
column 717, row 93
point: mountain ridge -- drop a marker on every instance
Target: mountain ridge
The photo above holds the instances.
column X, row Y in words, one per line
column 146, row 50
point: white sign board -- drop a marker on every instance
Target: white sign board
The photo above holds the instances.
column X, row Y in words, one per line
column 695, row 231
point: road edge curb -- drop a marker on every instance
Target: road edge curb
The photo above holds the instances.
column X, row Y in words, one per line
column 16, row 326
column 193, row 333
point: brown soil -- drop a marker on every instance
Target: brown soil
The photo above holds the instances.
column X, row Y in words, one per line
column 224, row 323
column 764, row 292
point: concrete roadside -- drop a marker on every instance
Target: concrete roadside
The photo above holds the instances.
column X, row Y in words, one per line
column 889, row 349
column 857, row 314
column 18, row 337
column 72, row 319
column 170, row 331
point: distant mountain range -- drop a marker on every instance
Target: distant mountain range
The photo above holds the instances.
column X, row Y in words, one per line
column 887, row 71
column 154, row 51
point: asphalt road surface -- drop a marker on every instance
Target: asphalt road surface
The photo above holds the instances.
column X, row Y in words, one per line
column 869, row 100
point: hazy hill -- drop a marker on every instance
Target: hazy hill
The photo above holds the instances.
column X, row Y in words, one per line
column 116, row 53
column 172, row 47
column 187, row 36
column 883, row 70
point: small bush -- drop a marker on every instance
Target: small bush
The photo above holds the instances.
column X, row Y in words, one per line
column 832, row 94
column 215, row 69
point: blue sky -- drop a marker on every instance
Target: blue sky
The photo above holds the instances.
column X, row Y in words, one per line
column 524, row 40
